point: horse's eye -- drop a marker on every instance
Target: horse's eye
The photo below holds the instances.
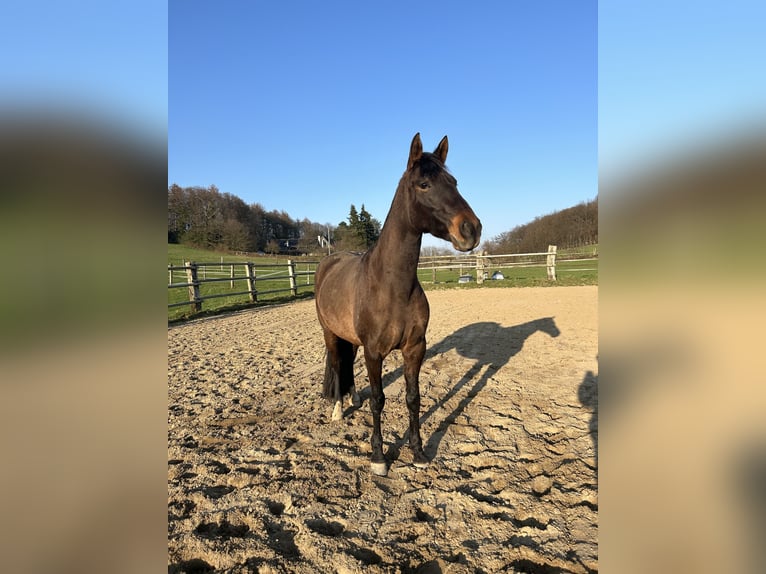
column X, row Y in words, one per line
column 423, row 185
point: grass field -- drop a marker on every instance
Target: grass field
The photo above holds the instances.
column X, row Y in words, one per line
column 273, row 281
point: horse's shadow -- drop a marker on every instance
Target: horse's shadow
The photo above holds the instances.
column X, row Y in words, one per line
column 491, row 346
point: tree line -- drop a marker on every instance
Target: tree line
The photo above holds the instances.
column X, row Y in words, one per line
column 571, row 227
column 205, row 217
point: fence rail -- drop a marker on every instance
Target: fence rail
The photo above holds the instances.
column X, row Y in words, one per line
column 205, row 281
column 253, row 275
column 482, row 264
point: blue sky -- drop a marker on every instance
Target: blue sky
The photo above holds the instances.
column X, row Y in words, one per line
column 107, row 60
column 308, row 107
column 675, row 77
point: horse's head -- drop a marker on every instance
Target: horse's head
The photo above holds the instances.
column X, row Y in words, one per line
column 437, row 206
column 547, row 325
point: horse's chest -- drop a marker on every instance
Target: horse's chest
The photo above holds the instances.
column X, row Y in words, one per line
column 387, row 330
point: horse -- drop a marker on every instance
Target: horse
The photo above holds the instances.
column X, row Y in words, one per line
column 374, row 300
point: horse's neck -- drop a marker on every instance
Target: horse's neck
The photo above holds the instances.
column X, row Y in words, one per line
column 398, row 247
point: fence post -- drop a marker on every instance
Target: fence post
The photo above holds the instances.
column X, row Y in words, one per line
column 231, row 274
column 291, row 273
column 250, row 273
column 551, row 262
column 191, row 279
column 170, row 274
column 479, row 269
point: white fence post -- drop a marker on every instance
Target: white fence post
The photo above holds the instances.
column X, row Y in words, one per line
column 551, row 262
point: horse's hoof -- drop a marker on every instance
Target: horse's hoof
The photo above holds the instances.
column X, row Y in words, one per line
column 356, row 400
column 419, row 460
column 379, row 468
column 337, row 412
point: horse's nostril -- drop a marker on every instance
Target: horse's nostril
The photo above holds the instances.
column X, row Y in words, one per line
column 467, row 229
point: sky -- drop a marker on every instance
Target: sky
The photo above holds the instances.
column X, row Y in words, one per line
column 106, row 60
column 310, row 107
column 677, row 77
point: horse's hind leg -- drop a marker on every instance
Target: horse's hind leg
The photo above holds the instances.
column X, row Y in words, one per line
column 354, row 399
column 339, row 372
column 331, row 385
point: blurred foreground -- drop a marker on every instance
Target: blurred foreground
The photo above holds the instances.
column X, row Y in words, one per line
column 82, row 345
column 682, row 307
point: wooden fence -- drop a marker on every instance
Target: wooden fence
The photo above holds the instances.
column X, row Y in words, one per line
column 261, row 280
column 196, row 275
column 482, row 265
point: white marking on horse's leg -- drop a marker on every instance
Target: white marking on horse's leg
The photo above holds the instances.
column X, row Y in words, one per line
column 337, row 412
column 379, row 468
column 353, row 398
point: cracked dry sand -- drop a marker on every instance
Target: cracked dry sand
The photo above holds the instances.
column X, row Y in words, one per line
column 261, row 480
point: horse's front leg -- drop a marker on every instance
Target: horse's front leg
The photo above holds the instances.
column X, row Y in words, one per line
column 377, row 400
column 413, row 358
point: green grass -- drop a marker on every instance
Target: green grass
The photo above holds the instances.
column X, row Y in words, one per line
column 567, row 273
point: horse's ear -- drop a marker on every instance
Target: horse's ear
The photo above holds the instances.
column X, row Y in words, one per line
column 441, row 150
column 416, row 150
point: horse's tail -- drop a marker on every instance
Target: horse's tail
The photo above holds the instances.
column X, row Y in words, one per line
column 342, row 377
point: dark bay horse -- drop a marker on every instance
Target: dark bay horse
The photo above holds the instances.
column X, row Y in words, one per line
column 375, row 300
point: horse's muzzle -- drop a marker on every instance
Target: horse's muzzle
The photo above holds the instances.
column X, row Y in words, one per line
column 466, row 234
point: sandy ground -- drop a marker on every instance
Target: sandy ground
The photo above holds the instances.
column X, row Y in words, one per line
column 261, row 480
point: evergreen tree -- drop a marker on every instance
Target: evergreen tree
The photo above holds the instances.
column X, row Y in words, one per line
column 353, row 217
column 355, row 235
column 369, row 230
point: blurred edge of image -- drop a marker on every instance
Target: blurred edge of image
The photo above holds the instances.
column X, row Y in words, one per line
column 682, row 307
column 682, row 442
column 83, row 397
column 83, row 341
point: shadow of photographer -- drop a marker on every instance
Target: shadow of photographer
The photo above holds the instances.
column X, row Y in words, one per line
column 587, row 393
